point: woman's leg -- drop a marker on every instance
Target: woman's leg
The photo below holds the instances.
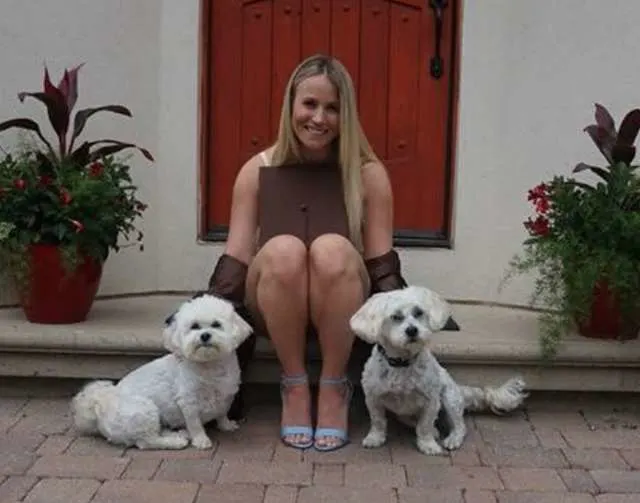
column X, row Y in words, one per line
column 337, row 286
column 277, row 291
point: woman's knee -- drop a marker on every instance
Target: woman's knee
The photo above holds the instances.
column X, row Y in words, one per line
column 333, row 258
column 284, row 259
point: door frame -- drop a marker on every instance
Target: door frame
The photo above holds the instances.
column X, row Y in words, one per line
column 403, row 238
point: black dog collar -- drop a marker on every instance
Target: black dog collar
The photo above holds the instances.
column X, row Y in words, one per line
column 395, row 362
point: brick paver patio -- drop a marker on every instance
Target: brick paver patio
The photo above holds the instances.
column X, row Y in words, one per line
column 560, row 449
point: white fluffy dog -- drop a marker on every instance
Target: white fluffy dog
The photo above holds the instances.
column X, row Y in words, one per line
column 403, row 376
column 189, row 387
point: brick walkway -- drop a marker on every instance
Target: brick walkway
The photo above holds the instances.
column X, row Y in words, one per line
column 560, row 449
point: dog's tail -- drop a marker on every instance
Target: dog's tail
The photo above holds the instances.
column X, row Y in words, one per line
column 498, row 400
column 87, row 403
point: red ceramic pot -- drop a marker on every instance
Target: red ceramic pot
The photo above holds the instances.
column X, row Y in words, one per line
column 55, row 295
column 605, row 320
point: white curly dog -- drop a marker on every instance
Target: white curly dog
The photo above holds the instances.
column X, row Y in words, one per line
column 403, row 376
column 189, row 387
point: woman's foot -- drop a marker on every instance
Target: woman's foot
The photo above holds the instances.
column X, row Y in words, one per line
column 296, row 430
column 334, row 397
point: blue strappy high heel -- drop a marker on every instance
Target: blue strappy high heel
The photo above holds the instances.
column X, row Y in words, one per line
column 288, row 431
column 339, row 433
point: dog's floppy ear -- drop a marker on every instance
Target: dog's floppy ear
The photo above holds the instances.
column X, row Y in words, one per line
column 239, row 329
column 438, row 310
column 366, row 322
column 169, row 333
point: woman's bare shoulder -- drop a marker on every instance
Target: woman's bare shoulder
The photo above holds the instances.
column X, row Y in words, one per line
column 268, row 152
column 248, row 175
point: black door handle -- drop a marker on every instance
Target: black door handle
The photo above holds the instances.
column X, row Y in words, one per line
column 436, row 66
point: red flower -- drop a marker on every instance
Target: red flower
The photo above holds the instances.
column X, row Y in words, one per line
column 539, row 196
column 78, row 225
column 538, row 192
column 542, row 205
column 96, row 169
column 538, row 227
column 20, row 184
column 65, row 197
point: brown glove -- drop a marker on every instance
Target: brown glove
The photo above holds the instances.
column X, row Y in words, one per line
column 385, row 274
column 228, row 281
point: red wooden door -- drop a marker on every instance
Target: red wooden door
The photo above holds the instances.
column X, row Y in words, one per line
column 253, row 45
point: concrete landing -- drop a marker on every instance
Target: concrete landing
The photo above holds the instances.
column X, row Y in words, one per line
column 494, row 343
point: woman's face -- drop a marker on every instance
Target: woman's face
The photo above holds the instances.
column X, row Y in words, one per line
column 316, row 116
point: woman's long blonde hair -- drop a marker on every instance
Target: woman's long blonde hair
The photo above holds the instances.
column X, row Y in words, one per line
column 354, row 149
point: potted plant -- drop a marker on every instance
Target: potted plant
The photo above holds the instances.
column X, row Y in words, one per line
column 63, row 206
column 584, row 242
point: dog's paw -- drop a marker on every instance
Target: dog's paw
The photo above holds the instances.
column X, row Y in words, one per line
column 201, row 442
column 374, row 439
column 518, row 384
column 228, row 425
column 452, row 442
column 429, row 446
column 177, row 443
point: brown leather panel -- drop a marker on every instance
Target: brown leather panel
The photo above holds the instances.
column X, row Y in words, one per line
column 304, row 200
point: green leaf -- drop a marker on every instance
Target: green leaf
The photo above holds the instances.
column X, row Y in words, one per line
column 114, row 147
column 80, row 156
column 602, row 138
column 5, row 229
column 68, row 86
column 604, row 119
column 601, row 172
column 29, row 125
column 629, row 128
column 57, row 111
column 60, row 231
column 81, row 117
column 582, row 185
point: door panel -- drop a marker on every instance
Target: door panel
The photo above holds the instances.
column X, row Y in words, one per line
column 386, row 44
column 316, row 26
column 287, row 29
column 373, row 96
column 255, row 112
column 345, row 35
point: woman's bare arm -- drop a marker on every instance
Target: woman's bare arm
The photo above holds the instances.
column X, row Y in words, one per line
column 244, row 212
column 378, row 210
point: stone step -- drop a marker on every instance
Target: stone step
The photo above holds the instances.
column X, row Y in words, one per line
column 494, row 344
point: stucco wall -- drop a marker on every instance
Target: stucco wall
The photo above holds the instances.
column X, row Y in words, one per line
column 530, row 74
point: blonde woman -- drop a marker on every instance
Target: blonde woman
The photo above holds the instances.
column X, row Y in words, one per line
column 287, row 284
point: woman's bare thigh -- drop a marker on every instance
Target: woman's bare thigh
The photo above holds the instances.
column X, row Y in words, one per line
column 256, row 266
column 331, row 256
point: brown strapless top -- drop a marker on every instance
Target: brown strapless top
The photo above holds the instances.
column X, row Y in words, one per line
column 303, row 199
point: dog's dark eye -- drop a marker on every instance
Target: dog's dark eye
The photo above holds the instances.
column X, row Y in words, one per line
column 397, row 317
column 417, row 312
column 195, row 326
column 216, row 324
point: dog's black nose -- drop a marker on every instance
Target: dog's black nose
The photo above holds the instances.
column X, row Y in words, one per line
column 411, row 331
column 206, row 337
